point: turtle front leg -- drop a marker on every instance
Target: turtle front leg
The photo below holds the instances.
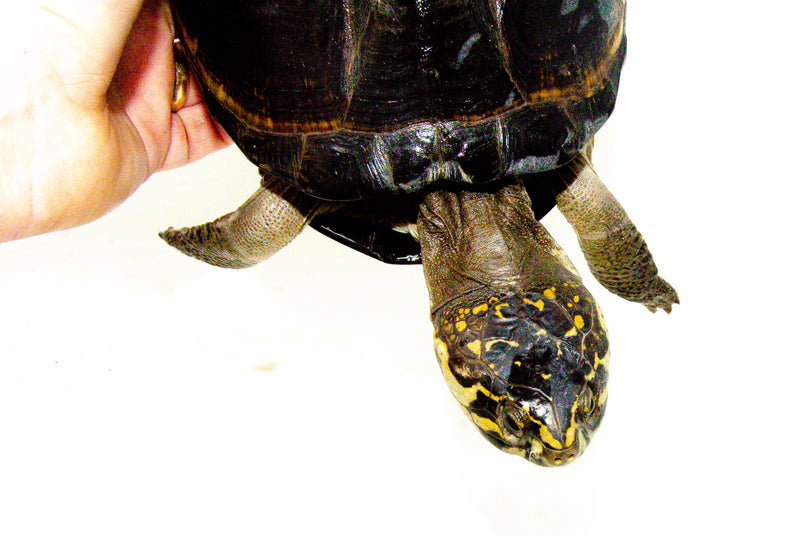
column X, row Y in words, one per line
column 617, row 254
column 266, row 222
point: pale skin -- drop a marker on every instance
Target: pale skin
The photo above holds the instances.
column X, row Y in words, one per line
column 85, row 113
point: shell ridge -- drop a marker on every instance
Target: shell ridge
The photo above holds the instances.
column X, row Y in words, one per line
column 495, row 8
column 352, row 51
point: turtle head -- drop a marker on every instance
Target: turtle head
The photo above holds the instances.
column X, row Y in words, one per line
column 519, row 339
column 529, row 369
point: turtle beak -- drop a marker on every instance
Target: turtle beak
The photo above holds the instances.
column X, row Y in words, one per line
column 559, row 424
column 550, row 457
column 561, row 442
column 559, row 446
column 557, row 421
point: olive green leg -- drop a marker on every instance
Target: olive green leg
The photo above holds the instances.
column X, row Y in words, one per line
column 615, row 251
column 269, row 220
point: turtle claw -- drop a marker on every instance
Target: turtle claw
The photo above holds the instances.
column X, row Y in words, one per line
column 208, row 243
column 661, row 296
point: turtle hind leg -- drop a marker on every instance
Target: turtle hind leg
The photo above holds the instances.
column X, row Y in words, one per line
column 614, row 249
column 266, row 222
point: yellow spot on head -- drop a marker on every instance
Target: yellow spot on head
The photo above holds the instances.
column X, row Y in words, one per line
column 601, row 400
column 579, row 321
column 497, row 310
column 548, row 438
column 441, row 350
column 480, row 308
column 600, row 361
column 572, row 332
column 570, row 437
column 464, row 395
column 461, row 325
column 485, row 424
column 489, row 344
column 573, row 425
column 576, row 299
column 550, row 293
column 539, row 304
column 475, row 347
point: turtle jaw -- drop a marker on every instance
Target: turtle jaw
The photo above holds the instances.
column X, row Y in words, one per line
column 547, row 444
column 549, row 457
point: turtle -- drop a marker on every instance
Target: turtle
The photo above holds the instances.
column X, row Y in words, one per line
column 439, row 132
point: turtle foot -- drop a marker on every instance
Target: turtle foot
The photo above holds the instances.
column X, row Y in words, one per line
column 265, row 223
column 661, row 296
column 615, row 250
column 208, row 243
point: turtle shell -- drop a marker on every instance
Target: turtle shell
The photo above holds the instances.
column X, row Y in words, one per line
column 348, row 99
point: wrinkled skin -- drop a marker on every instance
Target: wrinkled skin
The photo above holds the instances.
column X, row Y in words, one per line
column 519, row 339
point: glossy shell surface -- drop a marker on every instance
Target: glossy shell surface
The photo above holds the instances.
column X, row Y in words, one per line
column 348, row 99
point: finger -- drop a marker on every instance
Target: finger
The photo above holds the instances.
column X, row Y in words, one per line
column 83, row 41
column 194, row 134
column 144, row 81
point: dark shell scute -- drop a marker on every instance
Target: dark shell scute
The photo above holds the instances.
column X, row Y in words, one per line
column 567, row 43
column 270, row 59
column 425, row 60
column 476, row 148
column 349, row 99
column 352, row 161
column 530, row 137
column 279, row 156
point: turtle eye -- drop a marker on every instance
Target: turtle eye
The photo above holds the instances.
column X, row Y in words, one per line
column 586, row 401
column 512, row 420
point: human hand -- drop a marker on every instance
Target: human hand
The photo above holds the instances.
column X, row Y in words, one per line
column 85, row 110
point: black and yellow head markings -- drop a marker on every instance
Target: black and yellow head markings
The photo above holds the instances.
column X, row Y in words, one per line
column 529, row 369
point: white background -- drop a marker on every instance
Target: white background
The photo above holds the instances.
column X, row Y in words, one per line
column 142, row 392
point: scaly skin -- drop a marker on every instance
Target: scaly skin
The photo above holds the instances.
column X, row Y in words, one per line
column 265, row 223
column 520, row 341
column 617, row 254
